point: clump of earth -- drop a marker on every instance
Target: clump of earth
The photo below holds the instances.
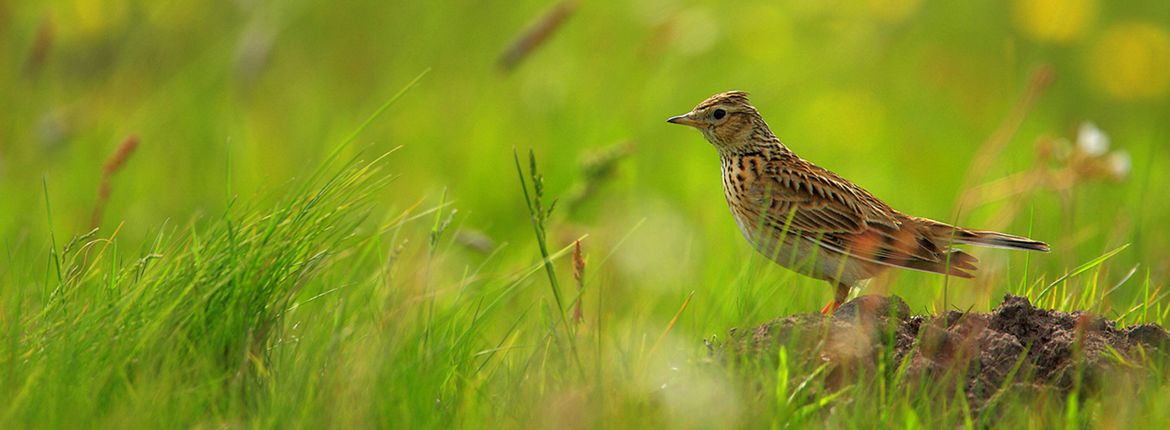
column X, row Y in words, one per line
column 1016, row 345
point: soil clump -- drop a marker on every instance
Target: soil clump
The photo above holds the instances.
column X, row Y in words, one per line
column 1015, row 346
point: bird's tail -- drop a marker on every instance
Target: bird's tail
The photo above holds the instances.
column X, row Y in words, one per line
column 991, row 239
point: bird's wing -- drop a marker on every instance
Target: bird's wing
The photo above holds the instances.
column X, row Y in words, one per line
column 813, row 201
column 809, row 202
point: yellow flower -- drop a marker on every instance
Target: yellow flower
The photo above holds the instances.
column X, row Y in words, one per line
column 1055, row 20
column 1131, row 61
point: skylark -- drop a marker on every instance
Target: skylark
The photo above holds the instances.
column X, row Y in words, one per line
column 815, row 222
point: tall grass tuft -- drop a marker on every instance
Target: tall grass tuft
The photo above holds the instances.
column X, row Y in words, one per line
column 197, row 311
column 193, row 319
column 539, row 216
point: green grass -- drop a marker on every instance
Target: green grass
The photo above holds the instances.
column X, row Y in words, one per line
column 311, row 234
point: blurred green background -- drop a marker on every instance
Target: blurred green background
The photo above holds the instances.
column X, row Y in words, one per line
column 238, row 99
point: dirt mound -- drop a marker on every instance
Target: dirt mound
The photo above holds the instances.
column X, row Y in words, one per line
column 1016, row 345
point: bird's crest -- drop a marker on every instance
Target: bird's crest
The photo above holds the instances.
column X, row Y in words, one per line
column 732, row 97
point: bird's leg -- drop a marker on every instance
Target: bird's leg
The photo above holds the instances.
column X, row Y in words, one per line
column 838, row 300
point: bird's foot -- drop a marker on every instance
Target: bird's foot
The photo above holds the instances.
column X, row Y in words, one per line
column 832, row 307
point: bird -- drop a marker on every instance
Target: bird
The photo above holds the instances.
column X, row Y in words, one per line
column 817, row 223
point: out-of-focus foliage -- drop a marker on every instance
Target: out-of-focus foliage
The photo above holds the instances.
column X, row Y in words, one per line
column 233, row 98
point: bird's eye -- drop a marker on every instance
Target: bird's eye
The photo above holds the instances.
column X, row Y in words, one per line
column 719, row 113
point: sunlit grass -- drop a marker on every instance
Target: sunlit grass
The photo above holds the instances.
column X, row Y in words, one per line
column 308, row 312
column 250, row 272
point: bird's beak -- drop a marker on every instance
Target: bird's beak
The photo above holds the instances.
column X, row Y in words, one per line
column 685, row 119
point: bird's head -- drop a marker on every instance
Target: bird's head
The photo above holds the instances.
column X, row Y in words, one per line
column 727, row 120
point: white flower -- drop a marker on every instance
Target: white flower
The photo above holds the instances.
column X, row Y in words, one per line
column 1120, row 164
column 1091, row 140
